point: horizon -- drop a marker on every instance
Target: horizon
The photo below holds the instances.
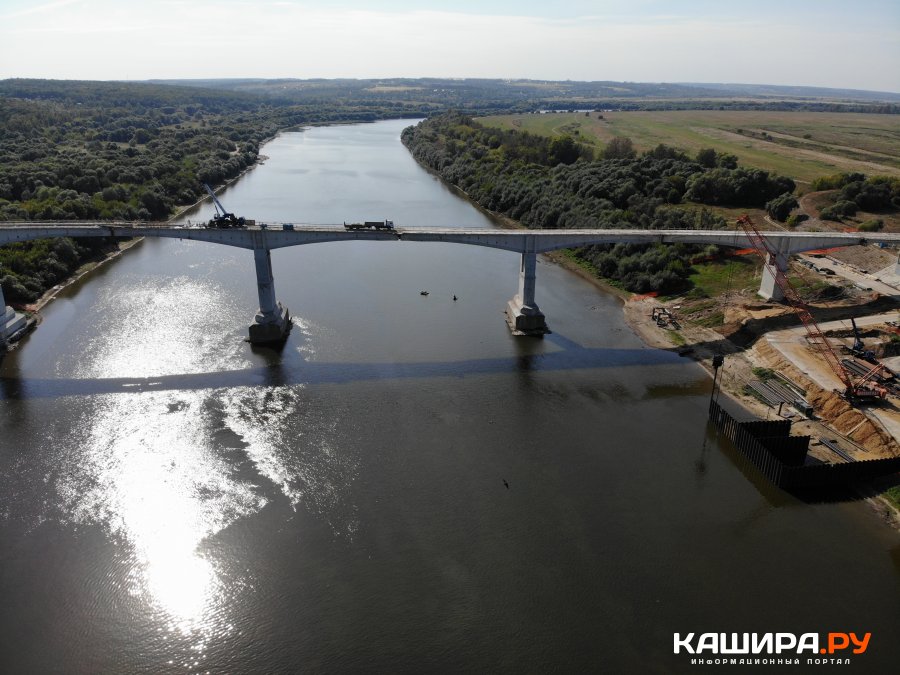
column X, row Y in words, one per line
column 175, row 80
column 640, row 41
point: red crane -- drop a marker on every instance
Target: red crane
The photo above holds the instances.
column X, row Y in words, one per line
column 855, row 390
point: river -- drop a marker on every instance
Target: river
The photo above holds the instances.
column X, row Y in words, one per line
column 405, row 487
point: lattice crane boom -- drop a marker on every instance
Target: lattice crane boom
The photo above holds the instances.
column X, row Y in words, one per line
column 814, row 335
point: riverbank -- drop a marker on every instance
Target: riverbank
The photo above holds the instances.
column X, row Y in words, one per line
column 81, row 272
column 372, row 450
column 50, row 294
column 701, row 344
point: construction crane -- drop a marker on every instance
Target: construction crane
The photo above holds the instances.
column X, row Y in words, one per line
column 222, row 217
column 856, row 390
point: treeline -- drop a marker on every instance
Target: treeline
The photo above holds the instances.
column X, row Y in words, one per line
column 86, row 150
column 131, row 151
column 517, row 174
column 77, row 150
column 855, row 193
column 496, row 96
column 27, row 269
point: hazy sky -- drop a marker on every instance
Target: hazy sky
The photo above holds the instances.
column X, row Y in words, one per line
column 831, row 43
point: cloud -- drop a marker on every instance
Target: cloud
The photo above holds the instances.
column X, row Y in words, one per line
column 40, row 9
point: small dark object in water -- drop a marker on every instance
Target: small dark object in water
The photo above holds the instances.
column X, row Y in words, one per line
column 423, row 292
column 506, row 484
column 454, row 298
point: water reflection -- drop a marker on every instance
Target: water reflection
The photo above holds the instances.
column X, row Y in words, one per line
column 161, row 326
column 339, row 505
column 148, row 471
column 166, row 465
column 144, row 462
column 182, row 583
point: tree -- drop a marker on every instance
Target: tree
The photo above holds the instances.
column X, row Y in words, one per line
column 619, row 147
column 727, row 161
column 563, row 150
column 780, row 207
column 706, row 157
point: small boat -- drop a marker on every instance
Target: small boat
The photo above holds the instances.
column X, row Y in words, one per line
column 423, row 292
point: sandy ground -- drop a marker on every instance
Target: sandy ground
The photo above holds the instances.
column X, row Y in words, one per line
column 871, row 432
column 863, row 435
column 791, row 344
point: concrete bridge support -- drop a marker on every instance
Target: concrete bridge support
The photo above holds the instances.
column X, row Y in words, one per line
column 10, row 321
column 272, row 322
column 522, row 313
column 768, row 287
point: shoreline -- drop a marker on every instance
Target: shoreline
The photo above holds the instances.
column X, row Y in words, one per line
column 34, row 309
column 50, row 295
column 635, row 311
column 80, row 273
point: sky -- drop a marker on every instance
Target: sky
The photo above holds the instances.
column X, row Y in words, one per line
column 829, row 43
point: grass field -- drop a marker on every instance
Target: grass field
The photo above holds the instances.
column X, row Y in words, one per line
column 727, row 275
column 802, row 145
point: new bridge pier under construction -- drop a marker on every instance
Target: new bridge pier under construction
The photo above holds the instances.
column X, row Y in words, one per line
column 272, row 321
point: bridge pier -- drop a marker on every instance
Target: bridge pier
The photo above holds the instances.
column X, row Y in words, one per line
column 768, row 287
column 272, row 322
column 10, row 321
column 522, row 313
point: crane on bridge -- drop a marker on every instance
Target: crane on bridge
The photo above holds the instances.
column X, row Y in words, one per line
column 856, row 389
column 223, row 218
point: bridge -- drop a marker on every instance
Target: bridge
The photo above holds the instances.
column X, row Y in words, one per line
column 272, row 320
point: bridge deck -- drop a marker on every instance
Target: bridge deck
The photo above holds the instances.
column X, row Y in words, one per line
column 530, row 241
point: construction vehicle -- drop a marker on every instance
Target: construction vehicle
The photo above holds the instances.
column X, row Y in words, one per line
column 223, row 218
column 857, row 389
column 859, row 349
column 371, row 225
column 661, row 316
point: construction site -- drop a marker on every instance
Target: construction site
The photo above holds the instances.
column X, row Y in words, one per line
column 827, row 366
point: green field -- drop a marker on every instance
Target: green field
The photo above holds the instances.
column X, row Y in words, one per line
column 802, row 145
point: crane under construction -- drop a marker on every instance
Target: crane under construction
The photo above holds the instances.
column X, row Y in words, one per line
column 857, row 389
column 223, row 218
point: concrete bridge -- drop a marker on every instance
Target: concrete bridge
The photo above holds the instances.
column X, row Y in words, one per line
column 272, row 321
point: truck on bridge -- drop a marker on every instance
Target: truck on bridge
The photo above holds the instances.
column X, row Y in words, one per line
column 371, row 225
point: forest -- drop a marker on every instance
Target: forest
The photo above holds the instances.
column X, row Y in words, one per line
column 854, row 192
column 492, row 96
column 85, row 150
column 140, row 150
column 132, row 151
column 557, row 183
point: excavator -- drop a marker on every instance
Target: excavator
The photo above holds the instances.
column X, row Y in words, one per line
column 223, row 218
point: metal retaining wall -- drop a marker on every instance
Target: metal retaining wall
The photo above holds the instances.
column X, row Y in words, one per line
column 779, row 456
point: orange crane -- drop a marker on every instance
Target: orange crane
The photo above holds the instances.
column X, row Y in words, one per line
column 856, row 390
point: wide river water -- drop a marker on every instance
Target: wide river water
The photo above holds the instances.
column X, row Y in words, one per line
column 173, row 500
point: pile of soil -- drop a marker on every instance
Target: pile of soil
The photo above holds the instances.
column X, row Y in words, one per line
column 831, row 408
